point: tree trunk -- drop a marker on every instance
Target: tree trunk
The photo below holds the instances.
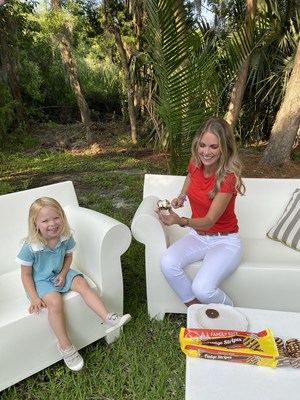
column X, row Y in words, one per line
column 112, row 27
column 107, row 35
column 69, row 63
column 129, row 87
column 238, row 90
column 138, row 15
column 286, row 126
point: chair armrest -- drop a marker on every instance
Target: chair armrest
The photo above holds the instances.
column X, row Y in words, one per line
column 101, row 240
column 146, row 226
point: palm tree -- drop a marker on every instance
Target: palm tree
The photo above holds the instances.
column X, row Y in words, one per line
column 182, row 60
column 192, row 68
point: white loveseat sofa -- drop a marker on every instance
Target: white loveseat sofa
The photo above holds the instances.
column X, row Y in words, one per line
column 269, row 274
column 27, row 344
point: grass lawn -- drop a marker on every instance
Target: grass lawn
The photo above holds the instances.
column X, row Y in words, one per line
column 146, row 361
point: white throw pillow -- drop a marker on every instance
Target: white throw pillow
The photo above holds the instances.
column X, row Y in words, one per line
column 287, row 229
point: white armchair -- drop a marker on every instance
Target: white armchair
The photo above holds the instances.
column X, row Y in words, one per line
column 27, row 344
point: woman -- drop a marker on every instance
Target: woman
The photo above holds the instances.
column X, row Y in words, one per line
column 212, row 184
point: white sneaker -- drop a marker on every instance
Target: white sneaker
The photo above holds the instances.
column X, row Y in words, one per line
column 72, row 358
column 115, row 321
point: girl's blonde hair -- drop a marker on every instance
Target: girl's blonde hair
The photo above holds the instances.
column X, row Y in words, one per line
column 34, row 235
column 229, row 161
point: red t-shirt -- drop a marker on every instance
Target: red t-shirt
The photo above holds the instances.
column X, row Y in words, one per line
column 200, row 203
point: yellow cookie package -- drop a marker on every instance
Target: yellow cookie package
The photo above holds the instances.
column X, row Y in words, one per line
column 230, row 345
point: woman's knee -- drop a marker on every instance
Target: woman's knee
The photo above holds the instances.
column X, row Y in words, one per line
column 203, row 293
column 168, row 264
column 207, row 295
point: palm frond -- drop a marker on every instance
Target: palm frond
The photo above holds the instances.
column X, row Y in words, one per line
column 183, row 61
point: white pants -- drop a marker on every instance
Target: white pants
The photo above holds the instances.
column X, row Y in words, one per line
column 221, row 255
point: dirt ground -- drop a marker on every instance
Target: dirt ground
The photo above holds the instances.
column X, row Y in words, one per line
column 106, row 140
column 253, row 169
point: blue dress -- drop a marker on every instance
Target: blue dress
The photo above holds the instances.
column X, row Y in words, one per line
column 47, row 263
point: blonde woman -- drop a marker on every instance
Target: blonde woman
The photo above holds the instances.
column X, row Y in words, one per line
column 46, row 258
column 212, row 184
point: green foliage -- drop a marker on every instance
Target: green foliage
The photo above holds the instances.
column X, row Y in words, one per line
column 271, row 64
column 102, row 85
column 19, row 140
column 182, row 61
column 296, row 153
column 45, row 88
column 192, row 69
column 31, row 78
column 7, row 111
column 195, row 69
column 6, row 187
column 183, row 70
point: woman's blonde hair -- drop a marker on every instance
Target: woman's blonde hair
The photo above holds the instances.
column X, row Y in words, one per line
column 34, row 235
column 229, row 161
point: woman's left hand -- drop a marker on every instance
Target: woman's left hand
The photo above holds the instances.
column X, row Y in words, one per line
column 168, row 219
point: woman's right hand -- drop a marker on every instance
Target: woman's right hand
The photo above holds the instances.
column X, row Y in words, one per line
column 177, row 202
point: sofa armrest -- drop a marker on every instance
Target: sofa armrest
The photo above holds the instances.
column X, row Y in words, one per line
column 146, row 226
column 149, row 230
column 101, row 240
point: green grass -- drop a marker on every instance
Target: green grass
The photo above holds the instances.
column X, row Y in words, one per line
column 146, row 361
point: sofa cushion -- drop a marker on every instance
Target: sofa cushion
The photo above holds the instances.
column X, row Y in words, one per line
column 14, row 302
column 287, row 229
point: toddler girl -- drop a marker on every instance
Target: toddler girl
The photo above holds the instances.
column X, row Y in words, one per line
column 46, row 258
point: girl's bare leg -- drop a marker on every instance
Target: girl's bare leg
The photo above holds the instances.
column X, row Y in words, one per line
column 56, row 317
column 80, row 285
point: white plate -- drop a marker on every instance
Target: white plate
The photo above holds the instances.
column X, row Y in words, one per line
column 220, row 316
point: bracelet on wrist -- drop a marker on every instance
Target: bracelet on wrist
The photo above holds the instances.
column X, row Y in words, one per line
column 186, row 224
column 182, row 196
